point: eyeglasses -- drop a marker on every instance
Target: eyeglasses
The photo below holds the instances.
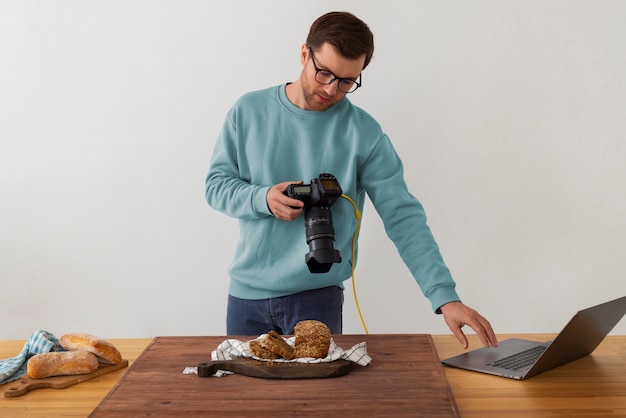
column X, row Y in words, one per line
column 346, row 85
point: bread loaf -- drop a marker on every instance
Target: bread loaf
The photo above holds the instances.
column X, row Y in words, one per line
column 312, row 339
column 104, row 350
column 61, row 363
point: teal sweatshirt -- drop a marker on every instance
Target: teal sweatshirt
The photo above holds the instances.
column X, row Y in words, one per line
column 267, row 140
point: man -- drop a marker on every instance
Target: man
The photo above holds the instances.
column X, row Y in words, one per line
column 286, row 134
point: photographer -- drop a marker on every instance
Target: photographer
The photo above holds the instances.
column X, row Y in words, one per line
column 285, row 134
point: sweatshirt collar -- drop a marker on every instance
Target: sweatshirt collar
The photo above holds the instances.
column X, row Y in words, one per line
column 309, row 114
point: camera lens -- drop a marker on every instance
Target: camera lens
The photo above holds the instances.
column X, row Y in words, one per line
column 320, row 236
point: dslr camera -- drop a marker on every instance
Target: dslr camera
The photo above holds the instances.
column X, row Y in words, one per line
column 318, row 197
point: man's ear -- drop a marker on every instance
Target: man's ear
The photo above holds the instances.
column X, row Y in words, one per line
column 304, row 54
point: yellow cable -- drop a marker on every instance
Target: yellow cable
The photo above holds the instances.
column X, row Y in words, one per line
column 357, row 215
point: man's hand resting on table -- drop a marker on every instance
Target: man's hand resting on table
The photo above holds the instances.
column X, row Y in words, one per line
column 457, row 315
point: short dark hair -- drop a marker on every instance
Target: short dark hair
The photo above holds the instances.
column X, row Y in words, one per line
column 347, row 33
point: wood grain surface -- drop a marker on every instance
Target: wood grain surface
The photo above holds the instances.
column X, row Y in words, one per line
column 26, row 384
column 276, row 370
column 404, row 379
column 592, row 387
column 73, row 402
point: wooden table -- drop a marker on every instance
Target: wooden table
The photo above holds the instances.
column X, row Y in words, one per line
column 75, row 401
column 594, row 386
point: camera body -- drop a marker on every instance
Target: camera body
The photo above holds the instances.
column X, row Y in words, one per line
column 318, row 197
column 323, row 191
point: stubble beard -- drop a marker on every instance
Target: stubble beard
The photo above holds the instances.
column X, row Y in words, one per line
column 313, row 101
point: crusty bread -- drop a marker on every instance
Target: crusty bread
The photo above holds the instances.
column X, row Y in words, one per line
column 61, row 363
column 277, row 344
column 104, row 350
column 262, row 352
column 312, row 339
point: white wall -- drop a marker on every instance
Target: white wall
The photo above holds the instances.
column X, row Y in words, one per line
column 510, row 117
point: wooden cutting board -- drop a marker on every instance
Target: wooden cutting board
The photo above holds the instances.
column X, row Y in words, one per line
column 277, row 370
column 405, row 380
column 25, row 384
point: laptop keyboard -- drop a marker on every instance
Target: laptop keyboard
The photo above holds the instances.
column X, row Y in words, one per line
column 519, row 360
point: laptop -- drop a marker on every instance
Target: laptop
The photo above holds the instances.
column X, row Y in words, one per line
column 520, row 359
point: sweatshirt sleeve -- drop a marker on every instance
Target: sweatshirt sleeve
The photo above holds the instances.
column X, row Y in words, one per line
column 227, row 190
column 406, row 225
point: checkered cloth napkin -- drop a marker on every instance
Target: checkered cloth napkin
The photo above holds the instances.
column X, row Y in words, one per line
column 232, row 348
column 40, row 342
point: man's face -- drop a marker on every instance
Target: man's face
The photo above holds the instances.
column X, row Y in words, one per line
column 320, row 97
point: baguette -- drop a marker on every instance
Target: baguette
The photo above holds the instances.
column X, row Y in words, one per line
column 104, row 350
column 61, row 363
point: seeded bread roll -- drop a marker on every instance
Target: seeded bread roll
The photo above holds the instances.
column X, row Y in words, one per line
column 312, row 339
column 104, row 350
column 61, row 363
column 277, row 344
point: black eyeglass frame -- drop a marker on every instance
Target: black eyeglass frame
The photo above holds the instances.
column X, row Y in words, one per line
column 334, row 78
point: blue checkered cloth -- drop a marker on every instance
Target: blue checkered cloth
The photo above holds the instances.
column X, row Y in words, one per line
column 40, row 342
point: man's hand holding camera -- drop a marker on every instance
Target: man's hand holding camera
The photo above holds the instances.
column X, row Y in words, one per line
column 282, row 206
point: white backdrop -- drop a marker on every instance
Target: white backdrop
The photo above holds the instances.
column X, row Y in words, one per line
column 510, row 117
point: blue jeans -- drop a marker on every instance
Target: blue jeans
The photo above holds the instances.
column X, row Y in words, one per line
column 281, row 314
